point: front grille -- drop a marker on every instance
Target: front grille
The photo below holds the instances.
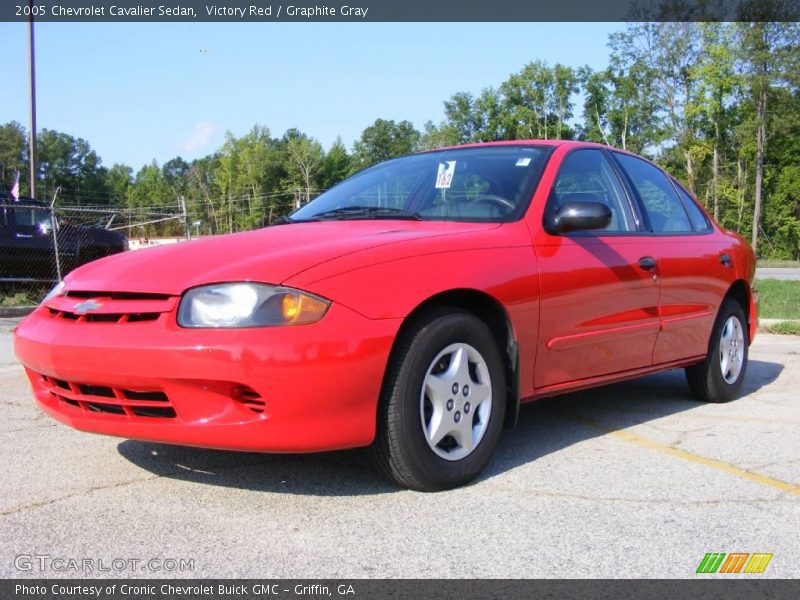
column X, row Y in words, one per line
column 110, row 400
column 103, row 317
column 117, row 295
column 110, row 307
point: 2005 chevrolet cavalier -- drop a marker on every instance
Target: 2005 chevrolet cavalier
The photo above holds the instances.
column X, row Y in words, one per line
column 411, row 309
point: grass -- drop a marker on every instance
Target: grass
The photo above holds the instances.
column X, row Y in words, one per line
column 779, row 299
column 13, row 295
column 778, row 263
column 785, row 327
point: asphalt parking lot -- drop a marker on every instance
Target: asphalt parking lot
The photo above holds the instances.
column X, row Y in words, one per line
column 631, row 480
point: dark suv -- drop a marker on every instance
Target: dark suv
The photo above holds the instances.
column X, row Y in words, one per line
column 27, row 247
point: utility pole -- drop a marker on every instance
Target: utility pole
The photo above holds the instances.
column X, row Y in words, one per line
column 32, row 135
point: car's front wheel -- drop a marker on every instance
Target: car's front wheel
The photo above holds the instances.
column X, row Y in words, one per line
column 719, row 377
column 443, row 403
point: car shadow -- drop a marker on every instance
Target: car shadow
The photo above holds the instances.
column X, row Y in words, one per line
column 544, row 427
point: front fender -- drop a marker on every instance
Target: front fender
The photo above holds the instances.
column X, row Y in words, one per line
column 393, row 289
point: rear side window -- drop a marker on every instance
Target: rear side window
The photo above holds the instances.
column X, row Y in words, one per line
column 698, row 217
column 664, row 210
column 586, row 175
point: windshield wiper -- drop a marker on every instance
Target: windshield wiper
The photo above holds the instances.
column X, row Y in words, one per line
column 367, row 212
column 284, row 220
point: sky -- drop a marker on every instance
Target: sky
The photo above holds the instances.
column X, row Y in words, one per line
column 141, row 92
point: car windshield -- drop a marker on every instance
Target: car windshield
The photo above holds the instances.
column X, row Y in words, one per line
column 491, row 184
column 28, row 215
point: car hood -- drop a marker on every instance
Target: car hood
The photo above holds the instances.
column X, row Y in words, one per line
column 271, row 255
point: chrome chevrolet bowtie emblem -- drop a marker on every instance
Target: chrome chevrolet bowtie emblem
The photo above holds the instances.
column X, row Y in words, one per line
column 84, row 307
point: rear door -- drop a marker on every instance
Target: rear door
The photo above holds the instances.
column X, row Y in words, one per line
column 691, row 261
column 599, row 290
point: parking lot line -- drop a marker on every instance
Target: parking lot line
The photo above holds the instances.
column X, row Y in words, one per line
column 704, row 417
column 719, row 465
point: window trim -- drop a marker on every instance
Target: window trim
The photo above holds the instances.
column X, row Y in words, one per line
column 596, row 233
column 649, row 225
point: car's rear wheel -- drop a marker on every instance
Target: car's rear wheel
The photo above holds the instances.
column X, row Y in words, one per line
column 719, row 377
column 443, row 402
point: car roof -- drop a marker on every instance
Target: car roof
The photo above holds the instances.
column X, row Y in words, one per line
column 532, row 142
column 6, row 199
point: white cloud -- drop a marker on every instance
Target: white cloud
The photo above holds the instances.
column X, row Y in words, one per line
column 200, row 138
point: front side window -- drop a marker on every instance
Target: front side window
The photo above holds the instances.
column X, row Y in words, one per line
column 492, row 184
column 586, row 175
column 664, row 210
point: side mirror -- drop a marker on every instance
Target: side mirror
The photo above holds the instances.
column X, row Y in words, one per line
column 578, row 215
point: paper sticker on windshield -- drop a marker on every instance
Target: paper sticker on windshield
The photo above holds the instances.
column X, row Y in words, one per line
column 444, row 178
column 524, row 162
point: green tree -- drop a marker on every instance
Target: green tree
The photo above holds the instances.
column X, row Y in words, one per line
column 336, row 165
column 461, row 116
column 70, row 164
column 118, row 181
column 305, row 163
column 718, row 83
column 766, row 49
column 385, row 139
column 13, row 154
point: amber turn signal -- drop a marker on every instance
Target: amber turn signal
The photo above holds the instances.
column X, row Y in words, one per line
column 298, row 308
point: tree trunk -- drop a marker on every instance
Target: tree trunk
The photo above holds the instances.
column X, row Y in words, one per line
column 715, row 178
column 600, row 127
column 741, row 177
column 689, row 172
column 230, row 212
column 761, row 144
column 560, row 118
column 214, row 218
column 625, row 131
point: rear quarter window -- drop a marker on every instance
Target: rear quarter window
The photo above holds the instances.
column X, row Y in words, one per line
column 699, row 219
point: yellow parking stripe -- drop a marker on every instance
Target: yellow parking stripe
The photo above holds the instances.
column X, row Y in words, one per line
column 713, row 463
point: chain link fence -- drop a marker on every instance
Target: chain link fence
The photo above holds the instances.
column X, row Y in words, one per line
column 41, row 242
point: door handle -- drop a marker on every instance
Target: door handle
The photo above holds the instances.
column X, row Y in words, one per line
column 725, row 260
column 648, row 263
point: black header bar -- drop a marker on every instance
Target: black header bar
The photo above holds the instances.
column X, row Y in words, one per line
column 398, row 10
column 396, row 589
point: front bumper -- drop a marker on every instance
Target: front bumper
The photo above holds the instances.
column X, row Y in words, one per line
column 279, row 389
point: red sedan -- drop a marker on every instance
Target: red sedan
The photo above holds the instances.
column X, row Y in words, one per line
column 411, row 309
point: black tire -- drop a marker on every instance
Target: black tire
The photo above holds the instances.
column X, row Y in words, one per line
column 706, row 379
column 401, row 450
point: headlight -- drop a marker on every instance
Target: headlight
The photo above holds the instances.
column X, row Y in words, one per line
column 56, row 291
column 248, row 305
